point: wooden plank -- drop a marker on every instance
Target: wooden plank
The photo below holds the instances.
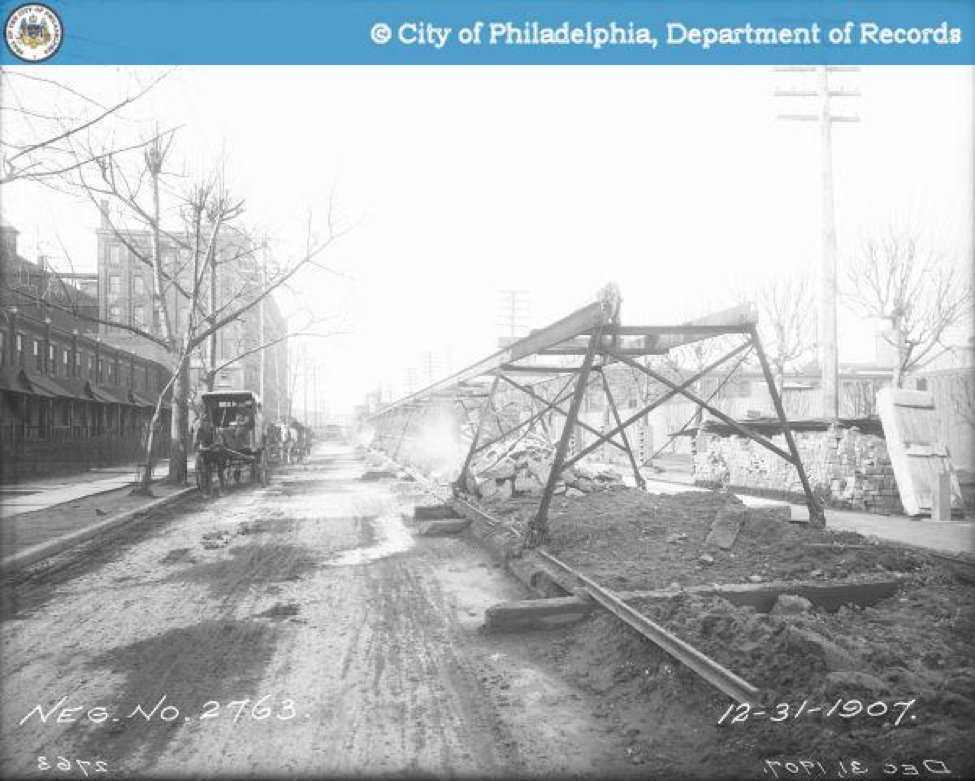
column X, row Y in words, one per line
column 919, row 457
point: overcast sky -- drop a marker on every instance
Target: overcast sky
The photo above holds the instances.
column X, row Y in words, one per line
column 676, row 183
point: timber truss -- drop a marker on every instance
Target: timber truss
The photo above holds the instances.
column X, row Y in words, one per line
column 578, row 348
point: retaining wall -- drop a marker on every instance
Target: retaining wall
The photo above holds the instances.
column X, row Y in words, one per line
column 846, row 468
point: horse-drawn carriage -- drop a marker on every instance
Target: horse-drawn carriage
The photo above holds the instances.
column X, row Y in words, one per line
column 288, row 442
column 230, row 438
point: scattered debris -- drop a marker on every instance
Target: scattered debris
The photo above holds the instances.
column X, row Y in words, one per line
column 216, row 539
column 524, row 469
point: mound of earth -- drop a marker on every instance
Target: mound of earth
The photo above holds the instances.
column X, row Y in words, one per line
column 630, row 540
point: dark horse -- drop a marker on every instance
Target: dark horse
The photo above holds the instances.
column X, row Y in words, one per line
column 211, row 456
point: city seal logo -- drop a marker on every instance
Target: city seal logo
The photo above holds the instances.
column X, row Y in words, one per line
column 33, row 32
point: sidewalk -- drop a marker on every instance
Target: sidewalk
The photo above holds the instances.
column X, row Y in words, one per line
column 943, row 536
column 41, row 494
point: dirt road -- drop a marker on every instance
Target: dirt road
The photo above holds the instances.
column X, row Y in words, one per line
column 356, row 646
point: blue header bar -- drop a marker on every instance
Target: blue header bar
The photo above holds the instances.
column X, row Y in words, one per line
column 505, row 32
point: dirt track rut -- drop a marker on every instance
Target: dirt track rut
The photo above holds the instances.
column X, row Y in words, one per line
column 356, row 644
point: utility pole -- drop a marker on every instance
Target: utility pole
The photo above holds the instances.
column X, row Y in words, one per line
column 262, row 337
column 304, row 385
column 828, row 345
column 429, row 365
column 314, row 397
column 513, row 312
column 410, row 381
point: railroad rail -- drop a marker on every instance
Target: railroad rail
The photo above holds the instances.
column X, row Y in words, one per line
column 718, row 676
column 707, row 668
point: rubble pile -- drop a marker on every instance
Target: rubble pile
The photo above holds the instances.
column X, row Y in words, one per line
column 505, row 471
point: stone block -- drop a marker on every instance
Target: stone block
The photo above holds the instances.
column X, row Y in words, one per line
column 848, row 683
column 790, row 605
column 444, row 526
column 432, row 512
column 814, row 645
column 527, row 485
column 726, row 526
column 536, row 613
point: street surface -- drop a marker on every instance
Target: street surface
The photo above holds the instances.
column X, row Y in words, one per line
column 356, row 646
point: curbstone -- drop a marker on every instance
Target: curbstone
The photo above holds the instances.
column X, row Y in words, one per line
column 44, row 550
column 433, row 512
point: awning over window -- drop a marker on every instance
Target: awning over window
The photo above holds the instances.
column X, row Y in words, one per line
column 59, row 388
column 109, row 394
column 13, row 379
column 146, row 399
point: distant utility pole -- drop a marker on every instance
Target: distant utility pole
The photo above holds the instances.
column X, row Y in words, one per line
column 262, row 336
column 410, row 381
column 828, row 346
column 514, row 307
column 429, row 365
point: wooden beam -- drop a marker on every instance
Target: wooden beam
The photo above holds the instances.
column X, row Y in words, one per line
column 601, row 312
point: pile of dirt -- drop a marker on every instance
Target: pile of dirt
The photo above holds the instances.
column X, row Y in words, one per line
column 630, row 540
column 915, row 645
column 907, row 659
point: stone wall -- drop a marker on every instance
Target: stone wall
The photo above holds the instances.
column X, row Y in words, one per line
column 846, row 468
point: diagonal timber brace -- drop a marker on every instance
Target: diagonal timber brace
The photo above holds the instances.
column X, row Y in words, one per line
column 682, row 390
column 656, row 403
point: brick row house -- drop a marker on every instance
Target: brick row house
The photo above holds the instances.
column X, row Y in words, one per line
column 68, row 399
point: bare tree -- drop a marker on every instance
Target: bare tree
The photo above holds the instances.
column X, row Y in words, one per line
column 786, row 321
column 43, row 117
column 899, row 277
column 134, row 193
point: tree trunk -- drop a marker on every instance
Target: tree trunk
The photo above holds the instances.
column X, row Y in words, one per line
column 179, row 428
column 211, row 318
column 145, row 482
column 898, row 378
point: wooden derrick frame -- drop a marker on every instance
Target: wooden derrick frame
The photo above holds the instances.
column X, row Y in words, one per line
column 594, row 337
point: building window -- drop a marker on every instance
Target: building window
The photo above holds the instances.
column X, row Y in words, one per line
column 115, row 313
column 115, row 254
column 138, row 287
column 921, row 383
column 114, row 285
column 66, row 357
column 139, row 316
column 20, row 343
column 77, row 359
